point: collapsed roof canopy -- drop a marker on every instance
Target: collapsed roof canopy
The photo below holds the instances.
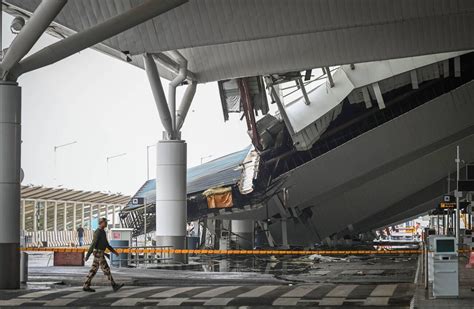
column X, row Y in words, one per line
column 224, row 39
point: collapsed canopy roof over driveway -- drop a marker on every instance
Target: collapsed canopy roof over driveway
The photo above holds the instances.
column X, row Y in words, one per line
column 226, row 38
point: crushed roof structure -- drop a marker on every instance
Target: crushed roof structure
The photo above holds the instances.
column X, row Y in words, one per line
column 223, row 171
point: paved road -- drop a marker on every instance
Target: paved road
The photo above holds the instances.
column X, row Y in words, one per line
column 398, row 295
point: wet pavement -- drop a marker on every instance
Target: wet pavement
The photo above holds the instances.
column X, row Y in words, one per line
column 241, row 281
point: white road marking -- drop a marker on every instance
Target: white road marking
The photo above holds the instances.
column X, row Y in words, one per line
column 171, row 301
column 134, row 291
column 216, row 292
column 131, row 301
column 173, row 292
column 332, row 301
column 341, row 290
column 85, row 294
column 301, row 290
column 386, row 290
column 259, row 291
column 47, row 292
column 376, row 301
column 217, row 301
column 59, row 302
column 14, row 302
column 289, row 301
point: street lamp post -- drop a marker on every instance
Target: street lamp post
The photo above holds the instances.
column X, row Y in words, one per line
column 55, row 157
column 110, row 158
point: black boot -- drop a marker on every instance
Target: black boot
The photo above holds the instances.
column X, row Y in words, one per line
column 88, row 289
column 117, row 286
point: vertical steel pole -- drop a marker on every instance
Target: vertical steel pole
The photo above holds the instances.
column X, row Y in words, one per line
column 82, row 215
column 458, row 210
column 65, row 217
column 10, row 150
column 35, row 217
column 45, row 214
column 144, row 221
column 55, row 216
column 74, row 218
column 114, row 214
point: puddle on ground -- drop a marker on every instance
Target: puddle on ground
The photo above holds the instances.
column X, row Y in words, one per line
column 285, row 266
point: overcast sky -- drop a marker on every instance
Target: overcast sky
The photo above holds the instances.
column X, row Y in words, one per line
column 107, row 107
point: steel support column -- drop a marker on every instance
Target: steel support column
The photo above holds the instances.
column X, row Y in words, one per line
column 65, row 217
column 55, row 222
column 82, row 215
column 74, row 218
column 45, row 214
column 10, row 154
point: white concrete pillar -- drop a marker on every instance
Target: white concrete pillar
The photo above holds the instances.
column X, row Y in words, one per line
column 45, row 214
column 243, row 229
column 91, row 215
column 55, row 217
column 74, row 217
column 65, row 217
column 82, row 215
column 113, row 215
column 10, row 155
column 171, row 195
column 35, row 216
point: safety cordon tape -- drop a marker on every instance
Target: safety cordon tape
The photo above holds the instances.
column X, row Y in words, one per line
column 237, row 252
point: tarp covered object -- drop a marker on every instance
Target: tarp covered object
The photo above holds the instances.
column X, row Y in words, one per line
column 219, row 197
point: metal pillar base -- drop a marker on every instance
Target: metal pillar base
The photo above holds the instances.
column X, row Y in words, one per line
column 10, row 154
column 171, row 209
column 10, row 266
column 244, row 231
column 177, row 242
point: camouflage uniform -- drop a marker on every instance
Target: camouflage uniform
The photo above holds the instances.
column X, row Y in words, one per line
column 97, row 248
column 99, row 260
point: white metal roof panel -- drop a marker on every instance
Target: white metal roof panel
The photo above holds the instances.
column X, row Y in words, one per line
column 228, row 38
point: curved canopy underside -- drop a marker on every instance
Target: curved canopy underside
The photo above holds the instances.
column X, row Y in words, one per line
column 227, row 39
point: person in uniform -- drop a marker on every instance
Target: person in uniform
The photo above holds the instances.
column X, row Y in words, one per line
column 97, row 248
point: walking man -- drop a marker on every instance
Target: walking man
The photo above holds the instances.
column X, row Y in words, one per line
column 80, row 235
column 97, row 247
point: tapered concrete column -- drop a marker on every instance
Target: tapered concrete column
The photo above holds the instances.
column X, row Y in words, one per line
column 244, row 231
column 171, row 195
column 10, row 154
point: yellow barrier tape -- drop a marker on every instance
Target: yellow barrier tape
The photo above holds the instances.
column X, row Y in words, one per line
column 239, row 252
column 233, row 252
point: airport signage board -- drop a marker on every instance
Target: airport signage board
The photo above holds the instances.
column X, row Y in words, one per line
column 449, row 199
column 444, row 205
column 138, row 201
